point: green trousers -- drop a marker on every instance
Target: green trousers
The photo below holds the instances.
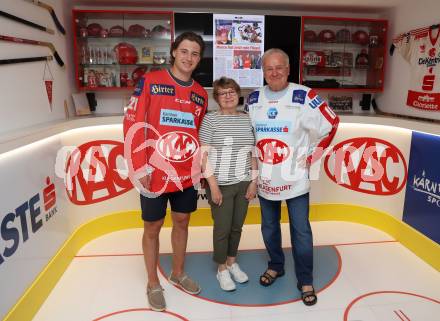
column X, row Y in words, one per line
column 228, row 220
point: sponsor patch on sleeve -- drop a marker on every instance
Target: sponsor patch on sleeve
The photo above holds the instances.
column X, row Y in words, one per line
column 299, row 96
column 315, row 100
column 253, row 97
column 139, row 87
column 197, row 99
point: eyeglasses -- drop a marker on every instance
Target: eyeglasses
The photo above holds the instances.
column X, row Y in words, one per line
column 226, row 93
column 278, row 69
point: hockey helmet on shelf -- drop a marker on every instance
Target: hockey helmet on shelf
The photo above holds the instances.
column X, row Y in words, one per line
column 116, row 31
column 137, row 30
column 360, row 37
column 126, row 53
column 94, row 30
column 310, row 36
column 327, row 35
column 159, row 31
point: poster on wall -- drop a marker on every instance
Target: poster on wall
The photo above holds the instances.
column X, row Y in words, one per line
column 238, row 47
column 422, row 198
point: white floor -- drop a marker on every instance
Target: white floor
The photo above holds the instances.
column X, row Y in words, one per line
column 380, row 280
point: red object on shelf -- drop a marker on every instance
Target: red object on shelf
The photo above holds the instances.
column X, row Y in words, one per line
column 126, row 53
column 116, row 31
column 138, row 73
column 310, row 36
column 327, row 35
column 314, row 58
column 361, row 37
column 94, row 29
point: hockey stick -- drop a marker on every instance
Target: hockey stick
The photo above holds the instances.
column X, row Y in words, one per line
column 26, row 22
column 52, row 13
column 37, row 43
column 20, row 60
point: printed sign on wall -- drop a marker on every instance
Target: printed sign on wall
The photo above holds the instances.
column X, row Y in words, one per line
column 422, row 199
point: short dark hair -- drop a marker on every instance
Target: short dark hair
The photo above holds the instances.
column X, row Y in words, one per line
column 188, row 35
column 225, row 83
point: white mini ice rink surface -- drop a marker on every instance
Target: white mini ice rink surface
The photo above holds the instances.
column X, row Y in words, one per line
column 361, row 274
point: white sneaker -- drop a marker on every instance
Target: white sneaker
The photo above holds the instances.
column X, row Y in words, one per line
column 237, row 273
column 224, row 278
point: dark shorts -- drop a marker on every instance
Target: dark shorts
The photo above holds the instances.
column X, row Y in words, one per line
column 154, row 209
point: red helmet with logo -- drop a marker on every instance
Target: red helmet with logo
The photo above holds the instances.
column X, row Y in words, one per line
column 310, row 36
column 126, row 53
column 94, row 29
column 116, row 31
column 327, row 35
column 138, row 73
column 360, row 37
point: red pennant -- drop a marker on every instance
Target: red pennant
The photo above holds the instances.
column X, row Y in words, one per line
column 49, row 91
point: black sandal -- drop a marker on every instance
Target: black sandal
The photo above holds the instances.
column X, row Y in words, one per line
column 266, row 279
column 307, row 295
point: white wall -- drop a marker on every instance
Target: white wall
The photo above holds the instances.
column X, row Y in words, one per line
column 24, row 101
column 407, row 16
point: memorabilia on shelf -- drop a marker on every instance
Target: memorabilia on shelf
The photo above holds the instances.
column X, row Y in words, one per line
column 362, row 60
column 341, row 103
column 146, row 55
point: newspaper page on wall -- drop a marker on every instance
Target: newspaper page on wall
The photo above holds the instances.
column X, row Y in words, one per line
column 238, row 47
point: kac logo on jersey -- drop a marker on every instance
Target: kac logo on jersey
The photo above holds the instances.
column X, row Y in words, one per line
column 161, row 90
column 299, row 96
column 197, row 99
column 272, row 113
column 139, row 87
column 272, row 151
column 177, row 146
column 253, row 97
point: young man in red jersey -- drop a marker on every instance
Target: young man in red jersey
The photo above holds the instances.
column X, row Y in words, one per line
column 161, row 126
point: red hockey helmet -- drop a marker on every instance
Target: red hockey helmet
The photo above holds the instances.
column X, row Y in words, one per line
column 327, row 35
column 137, row 31
column 116, row 31
column 126, row 53
column 94, row 30
column 360, row 37
column 310, row 36
column 138, row 73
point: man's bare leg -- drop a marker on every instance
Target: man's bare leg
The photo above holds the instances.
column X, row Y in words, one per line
column 150, row 246
column 179, row 239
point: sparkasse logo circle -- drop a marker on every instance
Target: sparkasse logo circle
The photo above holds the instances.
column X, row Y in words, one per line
column 367, row 165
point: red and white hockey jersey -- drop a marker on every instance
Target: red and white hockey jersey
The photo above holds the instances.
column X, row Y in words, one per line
column 297, row 124
column 161, row 126
column 421, row 49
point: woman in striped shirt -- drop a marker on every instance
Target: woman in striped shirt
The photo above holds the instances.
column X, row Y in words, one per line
column 230, row 169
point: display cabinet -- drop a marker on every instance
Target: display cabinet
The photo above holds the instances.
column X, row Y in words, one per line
column 113, row 49
column 343, row 53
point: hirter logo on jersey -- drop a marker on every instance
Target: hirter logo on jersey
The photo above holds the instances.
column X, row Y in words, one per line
column 162, row 90
column 197, row 99
column 177, row 146
column 272, row 151
column 367, row 165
